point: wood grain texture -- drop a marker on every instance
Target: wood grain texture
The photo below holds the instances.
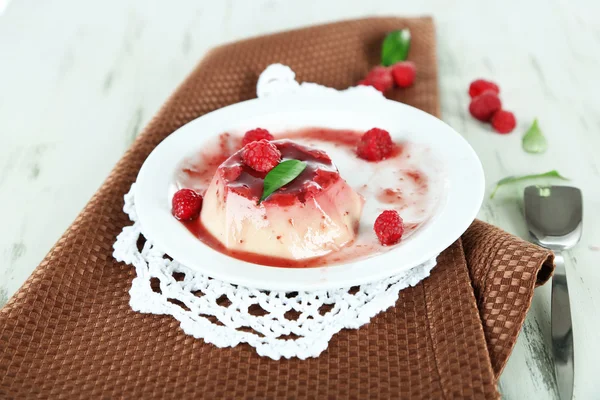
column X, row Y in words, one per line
column 113, row 63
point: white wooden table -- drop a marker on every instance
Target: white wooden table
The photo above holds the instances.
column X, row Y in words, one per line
column 79, row 80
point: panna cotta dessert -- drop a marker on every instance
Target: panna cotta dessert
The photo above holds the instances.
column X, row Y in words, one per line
column 282, row 201
column 310, row 211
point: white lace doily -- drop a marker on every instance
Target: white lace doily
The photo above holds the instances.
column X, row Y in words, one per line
column 276, row 324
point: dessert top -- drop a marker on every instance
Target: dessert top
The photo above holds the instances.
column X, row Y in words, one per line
column 319, row 174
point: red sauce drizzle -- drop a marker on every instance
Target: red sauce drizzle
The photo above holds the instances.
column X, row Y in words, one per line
column 418, row 178
column 390, row 196
column 197, row 175
column 318, row 175
column 338, row 137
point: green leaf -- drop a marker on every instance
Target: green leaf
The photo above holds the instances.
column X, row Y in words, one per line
column 513, row 179
column 281, row 175
column 534, row 141
column 395, row 47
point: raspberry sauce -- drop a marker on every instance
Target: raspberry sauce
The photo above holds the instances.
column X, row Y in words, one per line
column 318, row 175
column 343, row 138
column 390, row 196
column 197, row 172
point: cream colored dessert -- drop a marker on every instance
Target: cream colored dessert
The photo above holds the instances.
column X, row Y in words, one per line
column 315, row 214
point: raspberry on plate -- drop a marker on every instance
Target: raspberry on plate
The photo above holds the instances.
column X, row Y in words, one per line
column 255, row 135
column 261, row 156
column 375, row 145
column 479, row 86
column 389, row 227
column 485, row 105
column 380, row 78
column 504, row 121
column 186, row 204
column 404, row 73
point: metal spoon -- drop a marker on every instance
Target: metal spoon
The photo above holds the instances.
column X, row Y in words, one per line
column 554, row 216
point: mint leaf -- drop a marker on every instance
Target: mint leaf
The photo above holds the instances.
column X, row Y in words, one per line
column 534, row 141
column 281, row 175
column 513, row 179
column 395, row 47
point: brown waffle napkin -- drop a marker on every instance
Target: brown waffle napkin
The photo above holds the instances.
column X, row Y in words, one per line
column 69, row 331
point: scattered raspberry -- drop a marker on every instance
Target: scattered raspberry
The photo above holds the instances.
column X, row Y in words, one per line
column 255, row 135
column 186, row 204
column 504, row 121
column 389, row 227
column 404, row 73
column 261, row 156
column 479, row 86
column 380, row 78
column 485, row 105
column 375, row 145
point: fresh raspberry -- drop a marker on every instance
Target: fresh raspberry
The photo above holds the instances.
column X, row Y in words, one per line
column 479, row 86
column 380, row 78
column 375, row 145
column 485, row 105
column 404, row 73
column 504, row 121
column 261, row 156
column 389, row 227
column 186, row 205
column 255, row 135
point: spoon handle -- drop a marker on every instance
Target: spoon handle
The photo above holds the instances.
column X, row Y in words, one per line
column 562, row 331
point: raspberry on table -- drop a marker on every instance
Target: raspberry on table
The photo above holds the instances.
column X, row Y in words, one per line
column 504, row 121
column 255, row 135
column 380, row 78
column 375, row 145
column 261, row 156
column 186, row 205
column 485, row 105
column 404, row 73
column 389, row 227
column 479, row 86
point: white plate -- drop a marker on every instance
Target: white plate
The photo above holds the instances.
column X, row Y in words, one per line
column 463, row 174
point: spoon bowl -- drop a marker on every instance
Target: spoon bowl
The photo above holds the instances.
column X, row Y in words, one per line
column 554, row 217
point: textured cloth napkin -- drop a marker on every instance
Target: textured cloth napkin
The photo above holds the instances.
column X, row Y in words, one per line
column 69, row 331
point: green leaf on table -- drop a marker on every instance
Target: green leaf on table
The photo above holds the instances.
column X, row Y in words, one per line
column 534, row 141
column 514, row 179
column 281, row 175
column 395, row 47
